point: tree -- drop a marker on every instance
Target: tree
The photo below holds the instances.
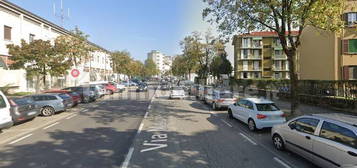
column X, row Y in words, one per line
column 75, row 46
column 136, row 69
column 280, row 16
column 220, row 65
column 39, row 58
column 179, row 68
column 192, row 50
column 121, row 62
column 150, row 68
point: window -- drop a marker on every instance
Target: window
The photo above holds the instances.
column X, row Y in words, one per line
column 352, row 73
column 7, row 33
column 257, row 53
column 256, row 65
column 278, row 65
column 245, row 75
column 267, row 107
column 241, row 103
column 246, row 42
column 31, row 38
column 249, row 105
column 305, row 125
column 351, row 18
column 2, row 102
column 244, row 54
column 338, row 134
column 245, row 65
column 256, row 75
column 350, row 46
column 277, row 75
column 226, row 95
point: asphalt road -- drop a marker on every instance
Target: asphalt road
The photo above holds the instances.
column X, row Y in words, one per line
column 95, row 135
column 187, row 134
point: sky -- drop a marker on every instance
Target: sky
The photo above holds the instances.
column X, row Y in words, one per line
column 138, row 26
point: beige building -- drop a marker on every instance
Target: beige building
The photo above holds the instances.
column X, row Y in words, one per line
column 330, row 56
column 259, row 55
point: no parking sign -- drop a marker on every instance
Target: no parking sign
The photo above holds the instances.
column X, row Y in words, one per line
column 75, row 73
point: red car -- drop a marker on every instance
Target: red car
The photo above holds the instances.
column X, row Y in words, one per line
column 76, row 98
column 110, row 88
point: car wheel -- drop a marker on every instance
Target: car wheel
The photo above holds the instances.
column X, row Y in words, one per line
column 251, row 125
column 230, row 115
column 47, row 111
column 278, row 142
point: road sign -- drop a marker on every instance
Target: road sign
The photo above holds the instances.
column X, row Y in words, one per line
column 75, row 73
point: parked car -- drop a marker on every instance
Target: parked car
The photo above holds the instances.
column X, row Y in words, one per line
column 257, row 113
column 203, row 92
column 76, row 98
column 23, row 109
column 5, row 115
column 165, row 87
column 177, row 92
column 120, row 87
column 327, row 140
column 110, row 89
column 221, row 99
column 98, row 89
column 141, row 88
column 85, row 93
column 49, row 103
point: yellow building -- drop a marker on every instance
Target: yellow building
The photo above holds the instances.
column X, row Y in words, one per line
column 330, row 56
column 259, row 55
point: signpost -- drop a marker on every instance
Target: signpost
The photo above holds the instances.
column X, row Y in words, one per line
column 75, row 73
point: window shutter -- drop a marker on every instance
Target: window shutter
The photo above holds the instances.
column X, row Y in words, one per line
column 7, row 33
column 345, row 46
column 346, row 73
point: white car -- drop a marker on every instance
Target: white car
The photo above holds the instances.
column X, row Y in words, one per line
column 5, row 115
column 177, row 93
column 257, row 113
column 120, row 87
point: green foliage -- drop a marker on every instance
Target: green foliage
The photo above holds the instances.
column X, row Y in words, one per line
column 20, row 94
column 121, row 62
column 150, row 68
column 39, row 58
column 136, row 69
column 5, row 89
column 221, row 65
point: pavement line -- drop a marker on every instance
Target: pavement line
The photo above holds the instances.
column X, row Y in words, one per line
column 140, row 128
column 146, row 114
column 71, row 116
column 227, row 123
column 85, row 110
column 251, row 141
column 51, row 125
column 127, row 158
column 281, row 162
column 17, row 140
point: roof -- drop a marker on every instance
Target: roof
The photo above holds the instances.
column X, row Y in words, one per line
column 57, row 91
column 345, row 118
column 259, row 101
column 17, row 8
column 266, row 34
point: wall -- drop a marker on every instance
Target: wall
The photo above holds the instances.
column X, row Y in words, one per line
column 15, row 78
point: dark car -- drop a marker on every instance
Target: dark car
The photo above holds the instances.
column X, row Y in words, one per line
column 23, row 109
column 84, row 92
column 141, row 88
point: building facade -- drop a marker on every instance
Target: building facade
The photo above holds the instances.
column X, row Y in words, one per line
column 330, row 56
column 163, row 62
column 259, row 55
column 18, row 24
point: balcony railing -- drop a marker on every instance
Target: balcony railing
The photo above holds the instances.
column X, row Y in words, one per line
column 279, row 57
column 252, row 57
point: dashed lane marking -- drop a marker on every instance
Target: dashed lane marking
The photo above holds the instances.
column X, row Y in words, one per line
column 229, row 125
column 127, row 158
column 140, row 128
column 51, row 125
column 22, row 138
column 281, row 162
column 251, row 141
column 71, row 116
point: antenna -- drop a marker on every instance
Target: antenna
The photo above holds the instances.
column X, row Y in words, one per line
column 61, row 15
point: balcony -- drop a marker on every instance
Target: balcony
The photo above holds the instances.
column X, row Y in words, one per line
column 281, row 69
column 252, row 57
column 279, row 57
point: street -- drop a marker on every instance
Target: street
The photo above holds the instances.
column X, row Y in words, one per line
column 93, row 135
column 126, row 130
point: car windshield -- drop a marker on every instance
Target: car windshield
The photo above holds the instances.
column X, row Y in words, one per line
column 177, row 88
column 267, row 107
column 64, row 96
column 22, row 101
column 226, row 95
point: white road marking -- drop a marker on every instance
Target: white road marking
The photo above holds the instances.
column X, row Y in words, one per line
column 17, row 140
column 149, row 107
column 146, row 114
column 229, row 125
column 127, row 158
column 51, row 125
column 281, row 162
column 85, row 110
column 71, row 116
column 251, row 141
column 140, row 128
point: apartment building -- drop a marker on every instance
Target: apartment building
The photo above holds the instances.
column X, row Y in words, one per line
column 163, row 62
column 330, row 56
column 259, row 55
column 17, row 23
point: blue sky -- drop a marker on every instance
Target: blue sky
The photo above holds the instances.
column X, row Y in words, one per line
column 138, row 26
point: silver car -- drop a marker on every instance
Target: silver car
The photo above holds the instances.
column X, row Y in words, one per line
column 49, row 103
column 220, row 99
column 328, row 140
column 257, row 113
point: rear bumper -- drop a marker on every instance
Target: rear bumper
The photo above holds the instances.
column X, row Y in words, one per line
column 268, row 124
column 177, row 96
column 6, row 125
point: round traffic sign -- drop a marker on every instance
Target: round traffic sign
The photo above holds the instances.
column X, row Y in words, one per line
column 75, row 73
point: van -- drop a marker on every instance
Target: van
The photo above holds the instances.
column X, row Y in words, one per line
column 5, row 116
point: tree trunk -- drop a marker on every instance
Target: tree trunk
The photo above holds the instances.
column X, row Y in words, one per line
column 294, row 89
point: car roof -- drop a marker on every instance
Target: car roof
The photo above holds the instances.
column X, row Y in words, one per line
column 345, row 118
column 259, row 100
